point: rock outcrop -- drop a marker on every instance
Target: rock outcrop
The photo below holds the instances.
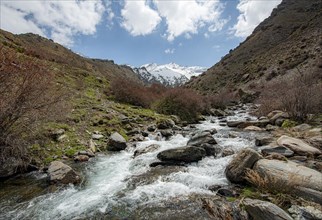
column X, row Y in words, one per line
column 184, row 154
column 236, row 169
column 298, row 146
column 290, row 173
column 116, row 142
column 62, row 173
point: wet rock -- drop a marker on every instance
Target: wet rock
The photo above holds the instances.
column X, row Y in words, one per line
column 279, row 150
column 226, row 192
column 253, row 128
column 116, row 142
column 227, row 152
column 144, row 133
column 263, row 210
column 62, row 173
column 245, row 159
column 166, row 133
column 201, row 138
column 81, row 158
column 165, row 124
column 150, row 148
column 289, row 172
column 212, row 131
column 263, row 140
column 167, row 163
column 211, row 150
column 183, row 154
column 298, row 146
column 9, row 167
column 305, row 213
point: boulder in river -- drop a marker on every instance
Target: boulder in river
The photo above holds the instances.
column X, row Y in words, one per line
column 116, row 142
column 263, row 210
column 263, row 140
column 184, row 154
column 236, row 169
column 201, row 138
column 298, row 146
column 279, row 150
column 62, row 173
column 289, row 172
column 150, row 148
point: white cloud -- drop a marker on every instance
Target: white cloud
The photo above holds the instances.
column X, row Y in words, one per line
column 251, row 14
column 60, row 20
column 186, row 17
column 169, row 51
column 139, row 18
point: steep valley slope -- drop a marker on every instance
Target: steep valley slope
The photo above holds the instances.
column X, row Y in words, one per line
column 287, row 42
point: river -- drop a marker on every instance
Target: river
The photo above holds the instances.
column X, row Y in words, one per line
column 119, row 186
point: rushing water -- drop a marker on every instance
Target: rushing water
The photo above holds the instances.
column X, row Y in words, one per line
column 117, row 184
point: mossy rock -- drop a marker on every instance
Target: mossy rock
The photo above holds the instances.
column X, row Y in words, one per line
column 288, row 124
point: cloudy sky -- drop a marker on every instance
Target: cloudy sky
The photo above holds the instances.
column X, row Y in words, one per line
column 135, row 32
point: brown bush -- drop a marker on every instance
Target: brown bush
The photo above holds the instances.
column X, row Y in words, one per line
column 223, row 98
column 135, row 93
column 299, row 95
column 28, row 94
column 185, row 103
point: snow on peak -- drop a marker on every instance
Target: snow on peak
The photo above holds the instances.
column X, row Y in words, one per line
column 170, row 74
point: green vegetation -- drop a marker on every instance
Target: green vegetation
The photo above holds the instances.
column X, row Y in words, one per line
column 289, row 123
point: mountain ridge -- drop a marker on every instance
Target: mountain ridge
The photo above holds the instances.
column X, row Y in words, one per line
column 170, row 74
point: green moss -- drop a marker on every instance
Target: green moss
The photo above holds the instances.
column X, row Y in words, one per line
column 288, row 124
column 231, row 199
column 250, row 192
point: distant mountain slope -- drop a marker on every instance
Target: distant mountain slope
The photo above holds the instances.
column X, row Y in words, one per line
column 45, row 49
column 168, row 74
column 288, row 41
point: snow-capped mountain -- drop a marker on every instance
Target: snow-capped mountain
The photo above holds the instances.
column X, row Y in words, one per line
column 168, row 74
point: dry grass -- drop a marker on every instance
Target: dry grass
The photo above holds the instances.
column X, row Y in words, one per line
column 270, row 184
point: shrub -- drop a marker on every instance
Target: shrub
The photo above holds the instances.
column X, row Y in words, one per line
column 28, row 94
column 220, row 100
column 299, row 95
column 184, row 103
column 135, row 93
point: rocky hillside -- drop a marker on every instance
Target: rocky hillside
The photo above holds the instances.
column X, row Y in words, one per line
column 288, row 40
column 170, row 74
